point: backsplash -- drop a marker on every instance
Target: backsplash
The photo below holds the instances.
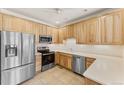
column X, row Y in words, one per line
column 70, row 45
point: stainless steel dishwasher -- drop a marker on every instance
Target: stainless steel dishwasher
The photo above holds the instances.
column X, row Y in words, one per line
column 78, row 65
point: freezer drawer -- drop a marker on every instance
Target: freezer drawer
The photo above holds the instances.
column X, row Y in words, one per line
column 8, row 77
column 27, row 72
column 17, row 75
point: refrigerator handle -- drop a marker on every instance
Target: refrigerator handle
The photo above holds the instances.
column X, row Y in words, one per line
column 21, row 47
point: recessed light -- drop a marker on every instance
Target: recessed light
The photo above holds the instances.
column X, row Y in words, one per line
column 57, row 22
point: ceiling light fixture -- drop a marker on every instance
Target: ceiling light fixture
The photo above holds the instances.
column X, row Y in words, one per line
column 57, row 22
column 58, row 10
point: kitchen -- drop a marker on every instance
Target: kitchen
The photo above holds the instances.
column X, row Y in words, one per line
column 85, row 49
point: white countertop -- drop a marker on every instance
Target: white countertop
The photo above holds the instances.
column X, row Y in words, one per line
column 90, row 55
column 105, row 70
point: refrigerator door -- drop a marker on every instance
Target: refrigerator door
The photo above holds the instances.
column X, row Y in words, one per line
column 32, row 49
column 10, row 49
column 27, row 49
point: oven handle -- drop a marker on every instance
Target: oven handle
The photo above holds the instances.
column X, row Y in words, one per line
column 47, row 54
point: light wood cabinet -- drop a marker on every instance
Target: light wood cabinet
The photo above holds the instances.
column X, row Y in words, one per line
column 55, row 36
column 89, row 61
column 87, row 32
column 56, row 57
column 62, row 34
column 69, row 31
column 90, row 82
column 11, row 23
column 80, row 33
column 0, row 21
column 92, row 28
column 38, row 63
column 112, row 28
column 64, row 60
column 44, row 30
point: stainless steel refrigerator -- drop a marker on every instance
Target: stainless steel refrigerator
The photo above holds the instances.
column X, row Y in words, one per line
column 17, row 57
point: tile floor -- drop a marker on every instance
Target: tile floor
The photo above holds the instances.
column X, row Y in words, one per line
column 56, row 76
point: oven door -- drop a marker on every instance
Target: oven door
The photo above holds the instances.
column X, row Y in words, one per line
column 48, row 58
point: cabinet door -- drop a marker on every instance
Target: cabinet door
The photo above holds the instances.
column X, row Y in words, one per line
column 93, row 31
column 69, row 62
column 0, row 21
column 112, row 28
column 62, row 34
column 76, row 32
column 57, row 58
column 8, row 24
column 61, row 60
column 55, row 35
column 107, row 29
column 38, row 62
column 11, row 23
column 118, row 28
column 37, row 33
column 44, row 30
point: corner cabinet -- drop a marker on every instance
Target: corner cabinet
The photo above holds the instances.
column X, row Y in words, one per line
column 64, row 60
column 112, row 28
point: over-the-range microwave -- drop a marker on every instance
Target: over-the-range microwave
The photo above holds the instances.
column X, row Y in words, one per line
column 45, row 39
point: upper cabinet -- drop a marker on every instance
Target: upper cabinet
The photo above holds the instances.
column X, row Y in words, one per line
column 52, row 31
column 112, row 28
column 0, row 21
column 92, row 28
column 80, row 33
column 62, row 34
column 11, row 23
column 106, row 29
column 55, row 37
column 44, row 30
column 70, row 31
column 87, row 32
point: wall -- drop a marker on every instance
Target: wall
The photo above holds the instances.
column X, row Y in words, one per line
column 110, row 50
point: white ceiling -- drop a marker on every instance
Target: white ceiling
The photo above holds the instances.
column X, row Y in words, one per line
column 51, row 15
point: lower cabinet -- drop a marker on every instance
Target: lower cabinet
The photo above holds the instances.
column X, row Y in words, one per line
column 90, row 82
column 88, row 63
column 64, row 60
column 38, row 63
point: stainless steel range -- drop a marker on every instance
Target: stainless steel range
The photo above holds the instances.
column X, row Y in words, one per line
column 17, row 57
column 48, row 58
